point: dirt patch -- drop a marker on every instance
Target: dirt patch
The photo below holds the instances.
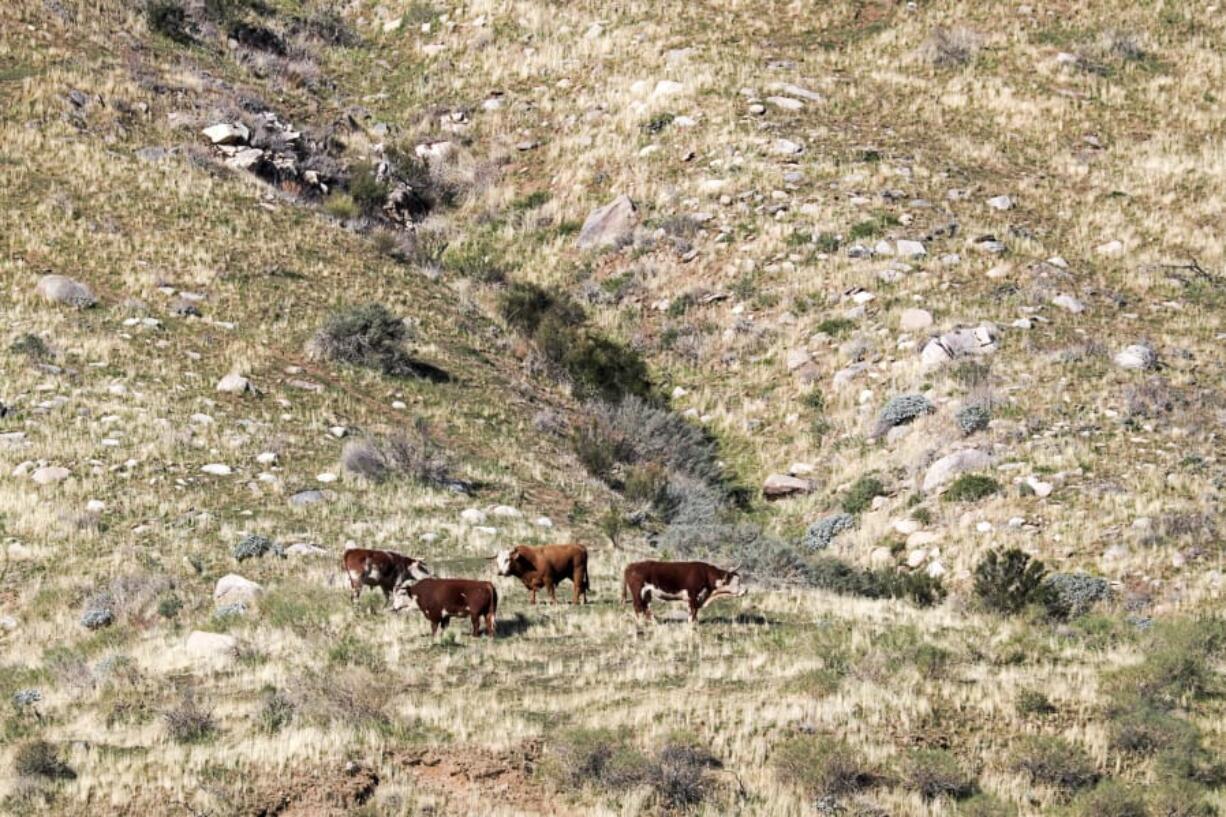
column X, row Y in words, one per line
column 473, row 780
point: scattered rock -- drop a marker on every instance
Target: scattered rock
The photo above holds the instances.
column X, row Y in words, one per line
column 226, row 133
column 786, row 147
column 910, row 249
column 1070, row 303
column 304, row 498
column 1000, row 203
column 797, row 358
column 217, row 469
column 506, row 512
column 979, row 340
column 233, row 588
column 609, row 226
column 63, row 290
column 50, row 475
column 778, row 486
column 1112, row 249
column 1041, row 489
column 785, row 103
column 472, row 516
column 1137, row 356
column 304, row 549
column 914, row 320
column 234, row 384
column 951, row 465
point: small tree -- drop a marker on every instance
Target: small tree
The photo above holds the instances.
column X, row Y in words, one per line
column 1009, row 581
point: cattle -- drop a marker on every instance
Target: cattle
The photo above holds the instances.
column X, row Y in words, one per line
column 546, row 567
column 384, row 569
column 440, row 599
column 696, row 583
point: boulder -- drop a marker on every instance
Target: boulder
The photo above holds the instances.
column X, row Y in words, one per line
column 609, row 226
column 50, row 475
column 217, row 469
column 61, row 289
column 1136, row 356
column 914, row 320
column 227, row 133
column 1000, row 203
column 211, row 646
column 910, row 249
column 472, row 516
column 234, row 384
column 973, row 341
column 305, row 498
column 506, row 512
column 1070, row 303
column 778, row 486
column 233, row 588
column 304, row 549
column 951, row 465
column 786, row 147
column 843, row 377
column 436, row 151
column 245, row 159
column 797, row 358
column 785, row 103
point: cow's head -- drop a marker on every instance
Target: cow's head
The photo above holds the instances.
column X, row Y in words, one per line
column 415, row 570
column 505, row 560
column 729, row 584
column 402, row 591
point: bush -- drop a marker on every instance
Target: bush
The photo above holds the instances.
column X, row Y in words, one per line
column 525, row 306
column 369, row 335
column 255, row 546
column 341, row 205
column 679, row 775
column 970, row 488
column 31, row 347
column 986, row 805
column 1178, row 665
column 1055, row 762
column 822, row 766
column 862, row 493
column 169, row 606
column 1033, row 702
column 168, row 18
column 821, row 533
column 38, row 758
column 1180, row 798
column 604, row 369
column 973, row 418
column 638, row 431
column 1007, row 582
column 277, row 710
column 952, row 46
column 937, row 773
column 836, row 575
column 901, row 410
column 1112, row 799
column 1069, row 595
column 1145, row 730
column 189, row 722
column 368, row 192
column 414, row 455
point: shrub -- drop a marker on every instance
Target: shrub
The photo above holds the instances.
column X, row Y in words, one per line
column 38, row 758
column 189, row 722
column 255, row 546
column 862, row 493
column 901, row 410
column 1145, row 730
column 970, row 488
column 585, row 756
column 477, row 258
column 986, row 805
column 1007, row 582
column 1178, row 665
column 937, row 773
column 95, row 618
column 1054, row 761
column 414, row 455
column 1180, row 798
column 525, row 306
column 1033, row 702
column 368, row 192
column 822, row 766
column 973, row 418
column 679, row 777
column 1069, row 595
column 642, row 432
column 31, row 347
column 821, row 533
column 836, row 575
column 369, row 335
column 168, row 18
column 952, row 46
column 341, row 205
column 834, row 326
column 169, row 606
column 1112, row 799
column 605, row 369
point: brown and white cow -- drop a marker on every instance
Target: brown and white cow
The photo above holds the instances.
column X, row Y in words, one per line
column 546, row 567
column 384, row 569
column 440, row 599
column 695, row 583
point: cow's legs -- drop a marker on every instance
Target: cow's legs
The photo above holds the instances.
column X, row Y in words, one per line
column 433, row 628
column 553, row 596
column 694, row 608
column 476, row 618
column 489, row 625
column 532, row 600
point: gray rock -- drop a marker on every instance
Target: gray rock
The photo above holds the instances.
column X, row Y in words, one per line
column 234, row 384
column 50, row 475
column 797, row 358
column 910, row 249
column 1070, row 303
column 233, row 589
column 63, row 290
column 1000, row 203
column 304, row 498
column 843, row 377
column 609, row 226
column 304, row 549
column 211, row 646
column 778, row 486
column 1136, row 356
column 951, row 465
column 979, row 340
column 914, row 320
column 786, row 147
column 226, row 133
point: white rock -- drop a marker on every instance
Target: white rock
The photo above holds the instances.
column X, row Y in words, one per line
column 910, row 249
column 610, row 225
column 979, row 340
column 917, row 557
column 304, row 549
column 543, row 522
column 1136, row 356
column 863, row 297
column 844, row 377
column 778, row 486
column 906, row 526
column 267, row 458
column 786, row 147
column 63, row 290
column 801, row 469
column 8, row 624
column 880, row 557
column 338, row 432
column 951, row 465
column 325, row 477
column 234, row 384
column 679, row 392
column 1070, row 303
column 984, row 527
column 245, row 159
column 1112, row 249
column 914, row 320
column 667, row 87
column 436, row 152
column 1016, row 521
column 506, row 512
column 786, row 103
column 797, row 358
column 95, row 506
column 472, row 516
column 217, row 469
column 213, row 647
column 935, row 569
column 923, row 538
column 49, row 475
column 1041, row 489
column 1000, row 203
column 233, row 588
column 485, row 531
column 227, row 133
column 795, row 90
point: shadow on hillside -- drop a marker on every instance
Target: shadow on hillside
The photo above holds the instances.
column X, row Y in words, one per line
column 424, row 371
column 518, row 625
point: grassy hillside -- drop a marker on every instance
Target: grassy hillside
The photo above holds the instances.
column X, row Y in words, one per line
column 819, row 193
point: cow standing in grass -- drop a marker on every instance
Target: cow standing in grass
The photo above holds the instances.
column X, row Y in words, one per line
column 695, row 583
column 440, row 599
column 546, row 567
column 384, row 569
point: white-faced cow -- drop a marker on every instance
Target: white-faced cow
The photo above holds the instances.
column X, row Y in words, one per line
column 546, row 567
column 384, row 569
column 440, row 599
column 695, row 583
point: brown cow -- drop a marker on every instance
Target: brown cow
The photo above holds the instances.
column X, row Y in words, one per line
column 384, row 569
column 693, row 582
column 440, row 599
column 546, row 567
